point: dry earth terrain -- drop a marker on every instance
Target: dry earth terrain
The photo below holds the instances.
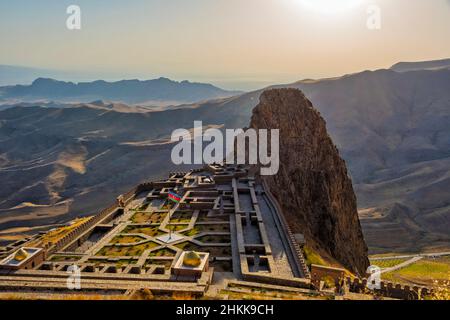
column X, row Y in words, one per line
column 392, row 128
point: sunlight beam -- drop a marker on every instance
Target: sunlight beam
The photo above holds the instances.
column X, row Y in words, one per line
column 330, row 7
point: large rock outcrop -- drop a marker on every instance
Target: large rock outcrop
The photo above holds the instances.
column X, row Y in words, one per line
column 312, row 185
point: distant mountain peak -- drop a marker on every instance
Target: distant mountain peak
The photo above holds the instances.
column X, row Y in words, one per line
column 421, row 65
column 45, row 80
column 132, row 91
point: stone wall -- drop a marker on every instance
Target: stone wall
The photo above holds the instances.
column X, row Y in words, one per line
column 390, row 290
column 357, row 285
column 318, row 273
column 294, row 246
column 79, row 230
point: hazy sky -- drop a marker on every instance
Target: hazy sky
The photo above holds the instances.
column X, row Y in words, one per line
column 233, row 43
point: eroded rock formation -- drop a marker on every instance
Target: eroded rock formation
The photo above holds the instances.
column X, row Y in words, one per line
column 312, row 184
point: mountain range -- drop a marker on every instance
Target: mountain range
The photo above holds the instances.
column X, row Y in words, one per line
column 423, row 65
column 149, row 92
column 392, row 128
column 10, row 75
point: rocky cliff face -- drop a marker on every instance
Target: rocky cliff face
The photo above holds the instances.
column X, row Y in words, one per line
column 312, row 185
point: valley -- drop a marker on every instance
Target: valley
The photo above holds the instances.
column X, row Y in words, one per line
column 392, row 128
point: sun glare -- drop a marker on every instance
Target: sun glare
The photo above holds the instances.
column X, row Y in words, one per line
column 330, row 6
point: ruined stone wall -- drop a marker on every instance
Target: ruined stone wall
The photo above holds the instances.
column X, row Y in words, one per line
column 318, row 273
column 79, row 230
column 357, row 285
column 391, row 290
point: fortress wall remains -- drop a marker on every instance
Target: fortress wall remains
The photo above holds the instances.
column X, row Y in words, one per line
column 295, row 247
column 318, row 273
column 280, row 281
column 357, row 285
column 389, row 289
column 79, row 230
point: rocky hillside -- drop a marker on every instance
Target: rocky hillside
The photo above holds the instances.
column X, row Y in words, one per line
column 312, row 185
column 422, row 65
column 392, row 129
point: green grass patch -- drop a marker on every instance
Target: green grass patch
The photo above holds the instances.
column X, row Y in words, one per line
column 167, row 205
column 159, row 262
column 121, row 251
column 312, row 257
column 98, row 261
column 215, row 239
column 422, row 271
column 148, row 217
column 149, row 231
column 387, row 263
column 59, row 258
column 119, row 263
column 214, row 251
column 181, row 217
column 163, row 252
column 126, row 239
column 125, row 262
column 176, row 227
column 199, row 228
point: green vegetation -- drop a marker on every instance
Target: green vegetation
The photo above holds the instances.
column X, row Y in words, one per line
column 163, row 252
column 118, row 263
column 215, row 239
column 236, row 292
column 312, row 257
column 126, row 239
column 214, row 251
column 390, row 254
column 149, row 231
column 58, row 258
column 54, row 235
column 148, row 217
column 180, row 220
column 191, row 233
column 199, row 228
column 328, row 282
column 167, row 205
column 142, row 207
column 98, row 261
column 125, row 262
column 387, row 263
column 176, row 227
column 119, row 251
column 184, row 217
column 186, row 246
column 441, row 290
column 165, row 263
column 424, row 271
